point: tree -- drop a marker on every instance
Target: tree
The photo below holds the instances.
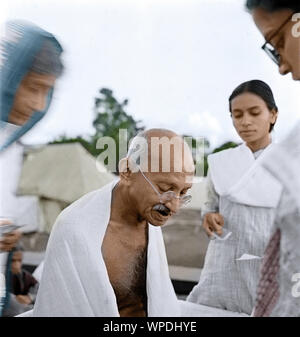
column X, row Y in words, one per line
column 225, row 146
column 110, row 117
column 64, row 139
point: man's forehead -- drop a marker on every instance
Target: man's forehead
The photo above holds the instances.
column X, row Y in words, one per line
column 170, row 153
column 161, row 151
column 173, row 178
column 268, row 22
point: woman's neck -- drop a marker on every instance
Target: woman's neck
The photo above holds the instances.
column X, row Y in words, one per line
column 260, row 143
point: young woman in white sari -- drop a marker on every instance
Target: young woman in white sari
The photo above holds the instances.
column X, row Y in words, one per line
column 241, row 203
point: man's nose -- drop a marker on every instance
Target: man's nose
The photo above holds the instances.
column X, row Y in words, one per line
column 173, row 205
column 284, row 68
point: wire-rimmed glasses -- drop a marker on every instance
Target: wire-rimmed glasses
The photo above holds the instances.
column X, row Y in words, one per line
column 169, row 195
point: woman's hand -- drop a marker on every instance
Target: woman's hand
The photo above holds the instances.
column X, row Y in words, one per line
column 213, row 222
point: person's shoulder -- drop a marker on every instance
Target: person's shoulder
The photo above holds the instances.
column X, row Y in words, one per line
column 80, row 209
column 291, row 144
column 226, row 154
column 71, row 221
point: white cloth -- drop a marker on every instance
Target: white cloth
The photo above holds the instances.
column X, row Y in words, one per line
column 248, row 208
column 75, row 281
column 9, row 173
column 189, row 309
column 23, row 209
column 237, row 175
column 37, row 274
column 3, row 261
column 284, row 164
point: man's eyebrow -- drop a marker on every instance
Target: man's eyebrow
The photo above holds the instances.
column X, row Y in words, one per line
column 164, row 182
column 269, row 35
column 171, row 184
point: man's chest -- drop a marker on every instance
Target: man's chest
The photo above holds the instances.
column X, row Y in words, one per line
column 125, row 258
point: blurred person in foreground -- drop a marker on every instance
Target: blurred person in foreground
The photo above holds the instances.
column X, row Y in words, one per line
column 30, row 65
column 23, row 286
column 278, row 291
column 106, row 255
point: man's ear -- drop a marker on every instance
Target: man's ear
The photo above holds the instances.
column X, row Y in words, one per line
column 124, row 169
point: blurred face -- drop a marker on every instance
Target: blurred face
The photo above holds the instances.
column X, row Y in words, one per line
column 252, row 118
column 16, row 264
column 31, row 96
column 147, row 200
column 286, row 41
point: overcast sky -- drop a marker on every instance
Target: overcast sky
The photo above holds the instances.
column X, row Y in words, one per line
column 177, row 61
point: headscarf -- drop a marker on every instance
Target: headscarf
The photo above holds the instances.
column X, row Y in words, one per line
column 24, row 42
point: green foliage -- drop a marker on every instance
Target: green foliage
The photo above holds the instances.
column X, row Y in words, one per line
column 225, row 146
column 64, row 139
column 110, row 116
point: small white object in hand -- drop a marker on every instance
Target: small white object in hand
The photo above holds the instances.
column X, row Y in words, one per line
column 224, row 236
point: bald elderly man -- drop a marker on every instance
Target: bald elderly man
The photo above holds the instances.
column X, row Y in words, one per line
column 106, row 255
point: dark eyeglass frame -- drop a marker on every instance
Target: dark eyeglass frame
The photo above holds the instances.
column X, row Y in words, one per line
column 270, row 50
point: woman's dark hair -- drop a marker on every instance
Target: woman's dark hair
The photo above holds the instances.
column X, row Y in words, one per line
column 258, row 88
column 273, row 5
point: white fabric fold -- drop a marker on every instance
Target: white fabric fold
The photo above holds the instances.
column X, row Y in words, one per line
column 75, row 281
column 237, row 175
column 189, row 309
column 283, row 163
column 23, row 209
column 247, row 196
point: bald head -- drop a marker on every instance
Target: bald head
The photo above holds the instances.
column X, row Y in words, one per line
column 160, row 150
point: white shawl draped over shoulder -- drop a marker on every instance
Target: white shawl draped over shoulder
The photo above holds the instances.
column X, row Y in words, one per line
column 75, row 281
column 238, row 176
column 247, row 198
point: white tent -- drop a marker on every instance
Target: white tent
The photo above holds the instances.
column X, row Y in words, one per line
column 59, row 174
